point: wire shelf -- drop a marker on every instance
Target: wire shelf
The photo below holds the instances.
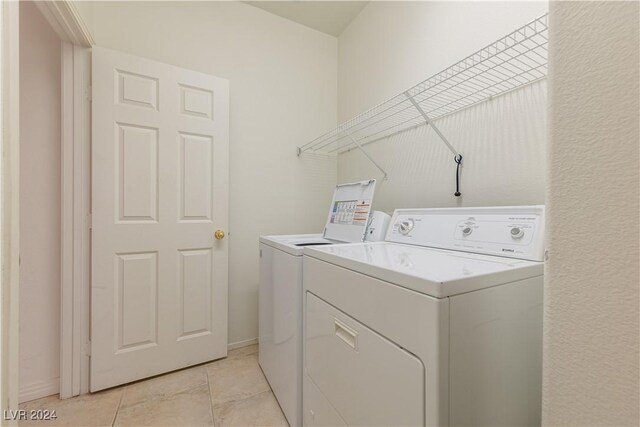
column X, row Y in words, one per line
column 516, row 60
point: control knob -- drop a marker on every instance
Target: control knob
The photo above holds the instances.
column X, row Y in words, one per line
column 405, row 226
column 467, row 230
column 517, row 232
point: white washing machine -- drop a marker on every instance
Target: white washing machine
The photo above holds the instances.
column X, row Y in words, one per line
column 441, row 324
column 280, row 289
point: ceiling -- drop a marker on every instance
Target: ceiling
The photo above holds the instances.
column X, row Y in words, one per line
column 330, row 17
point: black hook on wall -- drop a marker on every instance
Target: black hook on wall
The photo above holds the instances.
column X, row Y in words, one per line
column 458, row 160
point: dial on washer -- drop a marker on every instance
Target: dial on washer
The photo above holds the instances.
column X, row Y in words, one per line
column 517, row 232
column 406, row 226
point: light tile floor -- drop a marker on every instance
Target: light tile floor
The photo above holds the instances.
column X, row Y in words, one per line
column 227, row 392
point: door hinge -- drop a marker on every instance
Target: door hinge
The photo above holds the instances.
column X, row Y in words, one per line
column 87, row 348
column 89, row 221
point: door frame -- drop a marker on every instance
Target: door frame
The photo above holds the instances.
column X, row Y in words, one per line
column 10, row 205
column 64, row 18
column 75, row 251
column 75, row 194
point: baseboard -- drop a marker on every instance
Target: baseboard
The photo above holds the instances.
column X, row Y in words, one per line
column 239, row 344
column 39, row 389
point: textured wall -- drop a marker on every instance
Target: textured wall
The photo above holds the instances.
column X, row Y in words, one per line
column 40, row 144
column 591, row 335
column 391, row 46
column 283, row 92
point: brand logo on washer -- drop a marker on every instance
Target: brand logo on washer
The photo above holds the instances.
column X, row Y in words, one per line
column 507, row 250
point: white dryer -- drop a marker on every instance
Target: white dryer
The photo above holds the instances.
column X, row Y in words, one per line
column 280, row 290
column 441, row 324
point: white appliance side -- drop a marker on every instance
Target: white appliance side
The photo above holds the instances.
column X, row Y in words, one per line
column 395, row 313
column 265, row 306
column 280, row 328
column 377, row 226
column 495, row 361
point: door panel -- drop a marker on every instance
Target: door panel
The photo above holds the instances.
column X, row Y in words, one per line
column 196, row 165
column 159, row 191
column 137, row 173
column 137, row 300
column 195, row 287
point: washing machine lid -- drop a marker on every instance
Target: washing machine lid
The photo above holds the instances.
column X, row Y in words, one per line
column 436, row 272
column 349, row 211
column 294, row 244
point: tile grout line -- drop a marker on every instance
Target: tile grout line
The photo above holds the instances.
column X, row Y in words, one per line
column 270, row 391
column 242, row 399
column 213, row 420
column 115, row 416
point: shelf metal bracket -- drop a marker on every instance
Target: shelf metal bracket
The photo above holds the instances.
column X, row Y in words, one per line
column 457, row 157
column 430, row 123
column 368, row 156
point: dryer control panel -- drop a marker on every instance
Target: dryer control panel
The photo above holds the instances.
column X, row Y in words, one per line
column 510, row 231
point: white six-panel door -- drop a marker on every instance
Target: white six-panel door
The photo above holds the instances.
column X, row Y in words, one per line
column 159, row 192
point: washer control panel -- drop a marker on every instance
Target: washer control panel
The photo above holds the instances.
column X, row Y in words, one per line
column 512, row 231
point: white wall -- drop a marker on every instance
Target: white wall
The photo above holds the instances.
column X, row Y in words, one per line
column 40, row 145
column 391, row 46
column 591, row 350
column 283, row 93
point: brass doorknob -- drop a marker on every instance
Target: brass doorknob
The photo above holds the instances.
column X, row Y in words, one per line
column 219, row 234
